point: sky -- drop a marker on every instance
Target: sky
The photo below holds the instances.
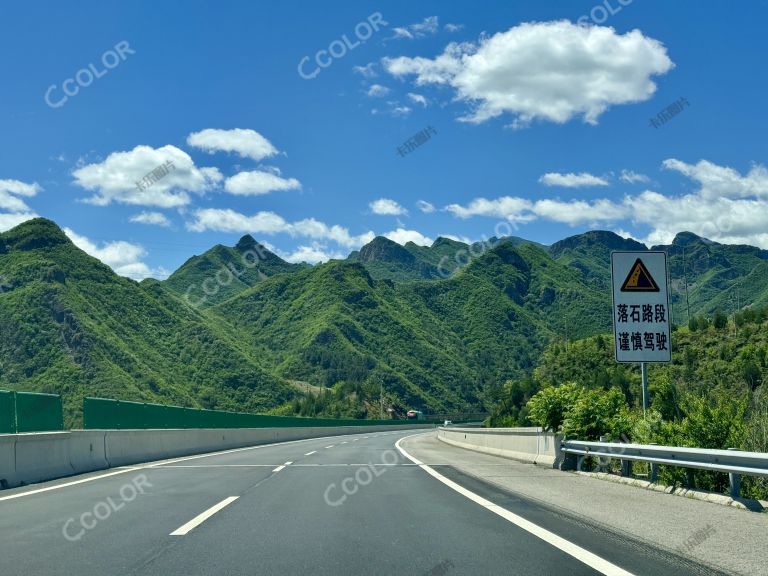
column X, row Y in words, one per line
column 151, row 131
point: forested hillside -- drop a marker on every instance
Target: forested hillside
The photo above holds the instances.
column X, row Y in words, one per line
column 69, row 325
column 439, row 328
column 712, row 394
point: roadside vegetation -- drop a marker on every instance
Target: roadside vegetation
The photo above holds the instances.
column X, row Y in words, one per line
column 710, row 396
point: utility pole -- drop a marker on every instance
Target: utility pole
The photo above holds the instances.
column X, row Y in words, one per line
column 644, row 372
column 381, row 400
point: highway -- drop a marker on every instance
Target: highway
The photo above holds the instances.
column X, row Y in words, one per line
column 355, row 504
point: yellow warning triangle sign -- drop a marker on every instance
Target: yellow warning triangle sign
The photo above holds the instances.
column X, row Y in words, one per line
column 639, row 279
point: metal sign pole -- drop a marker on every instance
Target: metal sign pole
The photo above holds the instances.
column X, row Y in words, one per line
column 644, row 372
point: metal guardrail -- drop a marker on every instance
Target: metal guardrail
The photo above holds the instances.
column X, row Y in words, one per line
column 733, row 462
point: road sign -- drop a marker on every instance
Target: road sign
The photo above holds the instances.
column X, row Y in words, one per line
column 641, row 314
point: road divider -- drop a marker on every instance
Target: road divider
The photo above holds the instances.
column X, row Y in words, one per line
column 531, row 445
column 38, row 457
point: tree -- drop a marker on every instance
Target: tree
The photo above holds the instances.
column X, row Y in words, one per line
column 597, row 413
column 548, row 407
column 664, row 397
column 721, row 320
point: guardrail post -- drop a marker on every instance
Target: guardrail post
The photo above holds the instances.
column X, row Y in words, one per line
column 626, row 468
column 603, row 461
column 654, row 469
column 735, row 481
column 569, row 461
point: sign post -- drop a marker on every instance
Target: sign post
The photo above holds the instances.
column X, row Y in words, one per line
column 641, row 313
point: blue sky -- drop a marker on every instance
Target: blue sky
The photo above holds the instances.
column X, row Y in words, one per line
column 539, row 118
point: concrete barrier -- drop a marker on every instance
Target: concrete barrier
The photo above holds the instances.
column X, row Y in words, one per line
column 524, row 444
column 87, row 451
column 7, row 459
column 125, row 447
column 41, row 456
column 37, row 457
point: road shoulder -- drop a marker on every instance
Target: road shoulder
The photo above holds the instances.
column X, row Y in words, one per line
column 723, row 538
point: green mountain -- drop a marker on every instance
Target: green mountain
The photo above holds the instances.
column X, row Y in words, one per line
column 385, row 259
column 703, row 275
column 590, row 253
column 438, row 328
column 70, row 325
column 388, row 260
column 223, row 272
column 718, row 276
column 432, row 344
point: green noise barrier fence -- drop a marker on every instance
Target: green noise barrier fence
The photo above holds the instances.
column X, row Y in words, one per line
column 106, row 414
column 30, row 412
column 7, row 413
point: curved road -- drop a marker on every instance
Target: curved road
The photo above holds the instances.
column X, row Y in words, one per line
column 341, row 505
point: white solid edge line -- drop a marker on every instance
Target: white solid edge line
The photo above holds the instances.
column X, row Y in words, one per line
column 585, row 556
column 200, row 518
column 172, row 466
column 57, row 486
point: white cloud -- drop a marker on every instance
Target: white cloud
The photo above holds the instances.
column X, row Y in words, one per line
column 403, row 236
column 115, row 179
column 401, row 111
column 269, row 223
column 425, row 207
column 721, row 181
column 575, row 212
column 624, row 234
column 387, row 207
column 377, row 91
column 426, row 27
column 8, row 221
column 515, row 209
column 417, row 99
column 11, row 203
column 631, row 177
column 510, row 208
column 453, row 27
column 572, row 180
column 367, row 71
column 152, row 218
column 463, row 239
column 728, row 207
column 244, row 142
column 258, row 182
column 14, row 209
column 311, row 254
column 123, row 257
column 549, row 71
column 19, row 188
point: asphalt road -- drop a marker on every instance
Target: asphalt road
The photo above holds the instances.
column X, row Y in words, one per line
column 335, row 506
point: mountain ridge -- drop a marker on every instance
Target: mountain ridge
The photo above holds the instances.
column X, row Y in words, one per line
column 439, row 340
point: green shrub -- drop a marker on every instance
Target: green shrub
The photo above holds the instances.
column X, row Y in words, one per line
column 597, row 413
column 548, row 407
